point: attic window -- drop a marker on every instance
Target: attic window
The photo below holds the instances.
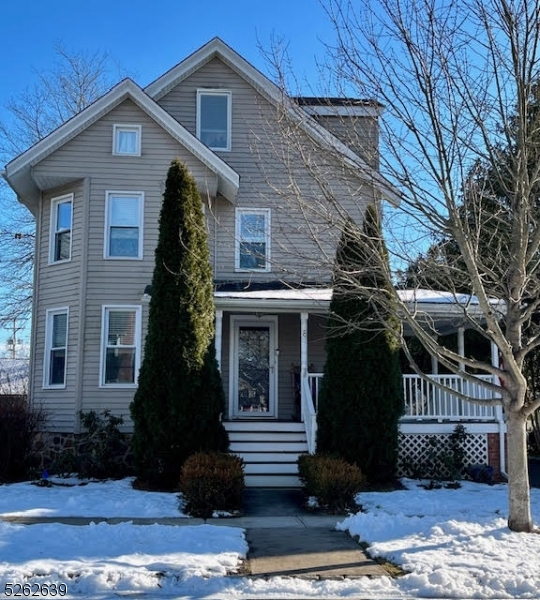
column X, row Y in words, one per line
column 214, row 118
column 127, row 140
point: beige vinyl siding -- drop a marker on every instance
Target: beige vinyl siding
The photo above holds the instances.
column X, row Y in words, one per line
column 108, row 281
column 58, row 287
column 258, row 151
column 361, row 134
column 259, row 147
column 316, row 342
column 289, row 355
column 226, row 359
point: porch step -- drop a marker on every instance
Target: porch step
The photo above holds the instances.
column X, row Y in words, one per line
column 269, row 451
column 269, row 481
column 264, row 425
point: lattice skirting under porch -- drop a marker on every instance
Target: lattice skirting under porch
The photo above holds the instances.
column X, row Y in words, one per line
column 414, row 449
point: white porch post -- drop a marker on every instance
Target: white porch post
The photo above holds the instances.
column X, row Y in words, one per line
column 499, row 414
column 495, row 355
column 219, row 336
column 434, row 364
column 303, row 357
column 461, row 345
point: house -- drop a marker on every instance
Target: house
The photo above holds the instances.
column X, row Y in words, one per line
column 95, row 187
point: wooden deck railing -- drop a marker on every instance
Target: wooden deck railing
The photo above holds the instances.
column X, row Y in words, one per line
column 424, row 400
column 309, row 414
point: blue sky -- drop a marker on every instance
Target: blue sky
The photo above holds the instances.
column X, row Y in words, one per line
column 146, row 38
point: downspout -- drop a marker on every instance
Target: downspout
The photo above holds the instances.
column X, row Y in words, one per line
column 32, row 371
column 500, row 418
column 502, row 444
column 83, row 290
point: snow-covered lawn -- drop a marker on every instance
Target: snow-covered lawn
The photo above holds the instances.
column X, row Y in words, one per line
column 453, row 543
column 91, row 499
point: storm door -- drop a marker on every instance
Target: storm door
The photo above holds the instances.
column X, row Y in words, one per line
column 254, row 367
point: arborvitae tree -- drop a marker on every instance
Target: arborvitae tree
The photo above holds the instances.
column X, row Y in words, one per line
column 361, row 396
column 177, row 408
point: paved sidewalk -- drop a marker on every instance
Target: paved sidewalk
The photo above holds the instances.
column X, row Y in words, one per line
column 284, row 539
column 298, row 543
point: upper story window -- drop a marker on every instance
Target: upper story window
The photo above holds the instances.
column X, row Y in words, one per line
column 123, row 225
column 56, row 330
column 253, row 239
column 127, row 140
column 61, row 224
column 121, row 345
column 214, row 118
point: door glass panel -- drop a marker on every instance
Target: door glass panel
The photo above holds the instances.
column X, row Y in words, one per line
column 253, row 369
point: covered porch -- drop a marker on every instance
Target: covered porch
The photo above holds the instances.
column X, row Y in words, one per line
column 267, row 342
column 270, row 348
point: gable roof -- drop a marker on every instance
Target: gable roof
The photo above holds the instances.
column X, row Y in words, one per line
column 18, row 172
column 218, row 48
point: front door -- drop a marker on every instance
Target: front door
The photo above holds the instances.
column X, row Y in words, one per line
column 254, row 364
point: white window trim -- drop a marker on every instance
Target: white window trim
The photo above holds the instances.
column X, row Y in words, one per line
column 216, row 92
column 53, row 228
column 105, row 309
column 239, row 213
column 106, row 239
column 127, row 127
column 50, row 313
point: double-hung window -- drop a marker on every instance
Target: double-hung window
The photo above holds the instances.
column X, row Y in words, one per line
column 56, row 334
column 121, row 345
column 214, row 109
column 253, row 239
column 61, row 225
column 127, row 140
column 123, row 225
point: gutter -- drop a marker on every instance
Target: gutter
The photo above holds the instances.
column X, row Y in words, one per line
column 276, row 305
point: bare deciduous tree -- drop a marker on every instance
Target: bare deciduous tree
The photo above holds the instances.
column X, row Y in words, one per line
column 457, row 80
column 75, row 81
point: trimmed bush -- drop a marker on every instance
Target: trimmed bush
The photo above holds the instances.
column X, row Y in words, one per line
column 359, row 410
column 19, row 426
column 100, row 451
column 179, row 401
column 332, row 481
column 212, row 482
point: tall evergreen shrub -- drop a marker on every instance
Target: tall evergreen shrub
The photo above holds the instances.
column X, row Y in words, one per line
column 177, row 407
column 361, row 395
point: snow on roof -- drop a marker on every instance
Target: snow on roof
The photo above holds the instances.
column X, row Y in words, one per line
column 14, row 375
column 420, row 296
column 318, row 294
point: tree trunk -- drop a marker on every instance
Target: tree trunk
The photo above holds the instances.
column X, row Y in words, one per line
column 519, row 511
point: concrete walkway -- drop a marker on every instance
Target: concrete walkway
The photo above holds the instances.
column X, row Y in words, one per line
column 295, row 543
column 284, row 539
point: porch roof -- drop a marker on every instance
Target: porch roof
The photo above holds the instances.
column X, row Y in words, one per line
column 444, row 311
column 288, row 300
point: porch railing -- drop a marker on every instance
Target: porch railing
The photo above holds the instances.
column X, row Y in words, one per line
column 424, row 400
column 309, row 413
